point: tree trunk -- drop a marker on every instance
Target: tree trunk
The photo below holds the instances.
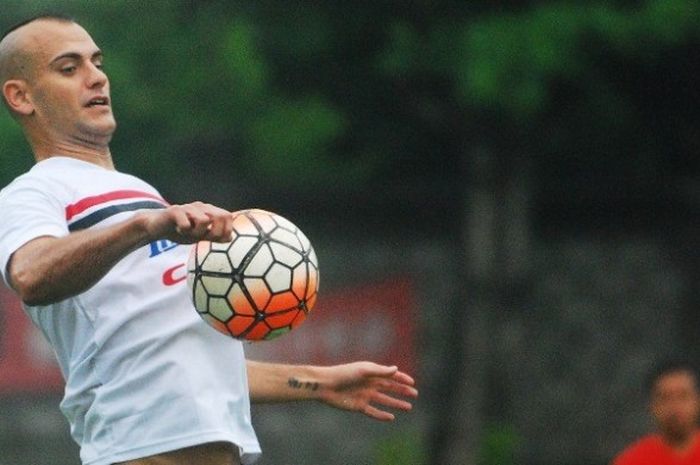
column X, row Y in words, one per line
column 493, row 255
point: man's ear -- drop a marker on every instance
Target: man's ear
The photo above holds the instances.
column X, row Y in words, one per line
column 15, row 94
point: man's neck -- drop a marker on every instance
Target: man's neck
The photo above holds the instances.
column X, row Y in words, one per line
column 681, row 444
column 88, row 146
column 98, row 155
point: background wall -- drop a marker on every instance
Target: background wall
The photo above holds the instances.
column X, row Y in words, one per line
column 529, row 168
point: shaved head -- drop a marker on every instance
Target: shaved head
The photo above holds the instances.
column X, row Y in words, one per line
column 54, row 86
column 17, row 60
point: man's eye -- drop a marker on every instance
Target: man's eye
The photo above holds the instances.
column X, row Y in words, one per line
column 68, row 69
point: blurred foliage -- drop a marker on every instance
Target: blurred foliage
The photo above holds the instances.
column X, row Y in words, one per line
column 401, row 449
column 516, row 56
column 499, row 445
column 337, row 95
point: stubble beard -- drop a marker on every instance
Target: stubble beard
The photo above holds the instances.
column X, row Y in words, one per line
column 97, row 135
column 676, row 431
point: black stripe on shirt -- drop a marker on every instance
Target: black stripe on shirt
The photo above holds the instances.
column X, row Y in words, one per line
column 104, row 213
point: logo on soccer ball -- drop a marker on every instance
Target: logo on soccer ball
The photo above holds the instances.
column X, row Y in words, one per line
column 261, row 284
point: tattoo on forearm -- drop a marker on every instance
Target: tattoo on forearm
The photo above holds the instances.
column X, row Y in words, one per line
column 296, row 384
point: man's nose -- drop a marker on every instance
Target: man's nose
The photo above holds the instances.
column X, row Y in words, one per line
column 96, row 76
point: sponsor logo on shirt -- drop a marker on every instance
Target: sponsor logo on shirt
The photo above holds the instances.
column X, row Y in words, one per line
column 174, row 275
column 160, row 246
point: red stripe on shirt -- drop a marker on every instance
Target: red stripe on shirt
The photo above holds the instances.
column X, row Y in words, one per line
column 88, row 202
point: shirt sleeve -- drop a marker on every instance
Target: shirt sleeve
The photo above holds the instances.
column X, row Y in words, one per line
column 27, row 211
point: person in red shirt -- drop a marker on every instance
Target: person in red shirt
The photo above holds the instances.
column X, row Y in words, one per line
column 674, row 401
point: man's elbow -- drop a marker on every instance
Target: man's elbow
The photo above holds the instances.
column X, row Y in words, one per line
column 28, row 286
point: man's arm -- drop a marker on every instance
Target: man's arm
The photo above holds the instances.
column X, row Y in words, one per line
column 49, row 269
column 359, row 387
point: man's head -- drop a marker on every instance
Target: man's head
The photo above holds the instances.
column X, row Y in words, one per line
column 53, row 84
column 674, row 399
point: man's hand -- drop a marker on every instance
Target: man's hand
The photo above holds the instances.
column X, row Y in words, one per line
column 367, row 388
column 189, row 223
column 363, row 387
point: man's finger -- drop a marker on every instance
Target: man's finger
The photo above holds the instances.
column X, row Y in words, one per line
column 200, row 230
column 402, row 377
column 380, row 370
column 197, row 216
column 216, row 229
column 397, row 388
column 377, row 414
column 182, row 222
column 392, row 402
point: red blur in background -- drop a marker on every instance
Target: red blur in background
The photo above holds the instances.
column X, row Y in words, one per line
column 368, row 322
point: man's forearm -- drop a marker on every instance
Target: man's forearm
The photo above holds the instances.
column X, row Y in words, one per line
column 50, row 269
column 271, row 382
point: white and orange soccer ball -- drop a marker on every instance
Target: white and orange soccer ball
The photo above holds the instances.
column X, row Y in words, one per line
column 260, row 285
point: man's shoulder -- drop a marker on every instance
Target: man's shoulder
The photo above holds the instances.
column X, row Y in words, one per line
column 39, row 173
column 28, row 179
column 69, row 178
column 640, row 451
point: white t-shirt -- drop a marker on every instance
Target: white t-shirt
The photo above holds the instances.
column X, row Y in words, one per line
column 144, row 374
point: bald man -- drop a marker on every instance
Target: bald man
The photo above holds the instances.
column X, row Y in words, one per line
column 147, row 382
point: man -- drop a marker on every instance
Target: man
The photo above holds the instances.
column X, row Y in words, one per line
column 147, row 382
column 674, row 404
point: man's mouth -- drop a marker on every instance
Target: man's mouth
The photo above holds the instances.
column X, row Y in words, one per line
column 98, row 101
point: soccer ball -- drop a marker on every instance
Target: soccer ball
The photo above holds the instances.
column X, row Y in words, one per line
column 260, row 285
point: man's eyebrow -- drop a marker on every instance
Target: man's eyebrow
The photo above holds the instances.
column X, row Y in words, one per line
column 75, row 56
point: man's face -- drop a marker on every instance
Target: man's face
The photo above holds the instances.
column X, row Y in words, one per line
column 675, row 404
column 66, row 84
